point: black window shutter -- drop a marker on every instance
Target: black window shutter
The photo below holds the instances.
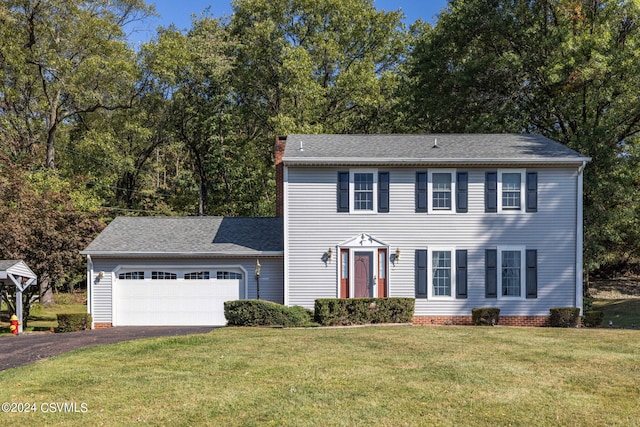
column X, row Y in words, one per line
column 462, row 191
column 421, row 273
column 461, row 273
column 532, row 273
column 383, row 192
column 491, row 273
column 421, row 191
column 532, row 191
column 491, row 192
column 343, row 192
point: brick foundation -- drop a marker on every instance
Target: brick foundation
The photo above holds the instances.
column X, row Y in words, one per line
column 102, row 325
column 534, row 321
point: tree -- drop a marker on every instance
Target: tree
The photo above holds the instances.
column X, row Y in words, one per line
column 567, row 69
column 192, row 70
column 327, row 66
column 46, row 222
column 58, row 61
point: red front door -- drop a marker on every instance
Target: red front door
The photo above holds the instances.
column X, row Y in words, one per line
column 363, row 274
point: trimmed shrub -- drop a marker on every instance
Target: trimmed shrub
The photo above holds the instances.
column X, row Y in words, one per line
column 486, row 316
column 592, row 318
column 362, row 311
column 73, row 322
column 564, row 317
column 264, row 313
column 587, row 304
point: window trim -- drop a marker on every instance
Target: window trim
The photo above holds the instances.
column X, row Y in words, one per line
column 166, row 275
column 374, row 192
column 523, row 272
column 523, row 191
column 430, row 192
column 133, row 275
column 452, row 254
column 188, row 275
column 228, row 273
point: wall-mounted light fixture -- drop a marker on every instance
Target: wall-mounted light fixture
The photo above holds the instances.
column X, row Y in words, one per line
column 326, row 257
column 100, row 274
column 395, row 257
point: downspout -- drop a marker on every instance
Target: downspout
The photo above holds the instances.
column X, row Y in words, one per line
column 285, row 199
column 89, row 288
column 579, row 237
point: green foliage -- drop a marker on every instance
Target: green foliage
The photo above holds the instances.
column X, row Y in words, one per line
column 567, row 70
column 73, row 322
column 264, row 313
column 592, row 318
column 43, row 226
column 485, row 316
column 564, row 317
column 359, row 311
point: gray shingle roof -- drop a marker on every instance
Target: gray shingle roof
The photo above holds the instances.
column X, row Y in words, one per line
column 419, row 149
column 189, row 236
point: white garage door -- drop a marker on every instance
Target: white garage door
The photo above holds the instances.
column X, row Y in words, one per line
column 176, row 302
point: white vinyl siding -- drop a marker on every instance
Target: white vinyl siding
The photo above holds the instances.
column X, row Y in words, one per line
column 102, row 294
column 312, row 225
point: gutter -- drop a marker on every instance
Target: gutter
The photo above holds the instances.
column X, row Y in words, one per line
column 324, row 161
column 127, row 254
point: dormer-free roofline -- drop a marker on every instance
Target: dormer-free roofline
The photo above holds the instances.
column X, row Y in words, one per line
column 427, row 149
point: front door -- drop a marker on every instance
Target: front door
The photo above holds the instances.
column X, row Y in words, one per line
column 363, row 275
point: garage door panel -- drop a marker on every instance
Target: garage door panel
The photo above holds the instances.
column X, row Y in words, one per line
column 174, row 302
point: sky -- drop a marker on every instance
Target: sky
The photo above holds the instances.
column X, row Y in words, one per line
column 178, row 12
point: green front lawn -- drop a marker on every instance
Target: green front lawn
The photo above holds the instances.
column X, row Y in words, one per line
column 43, row 319
column 383, row 376
column 623, row 313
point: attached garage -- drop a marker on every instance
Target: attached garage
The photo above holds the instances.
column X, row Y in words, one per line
column 179, row 271
column 165, row 298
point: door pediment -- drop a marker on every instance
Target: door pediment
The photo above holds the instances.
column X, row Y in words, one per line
column 363, row 240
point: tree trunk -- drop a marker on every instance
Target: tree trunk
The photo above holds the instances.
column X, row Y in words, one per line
column 46, row 293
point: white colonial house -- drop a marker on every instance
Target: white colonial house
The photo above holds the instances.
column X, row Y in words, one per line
column 454, row 221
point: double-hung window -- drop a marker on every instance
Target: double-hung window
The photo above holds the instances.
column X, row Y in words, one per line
column 441, row 273
column 363, row 183
column 441, row 190
column 512, row 272
column 441, row 184
column 511, row 190
column 363, row 191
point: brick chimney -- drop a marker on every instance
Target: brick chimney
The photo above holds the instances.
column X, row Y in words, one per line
column 281, row 142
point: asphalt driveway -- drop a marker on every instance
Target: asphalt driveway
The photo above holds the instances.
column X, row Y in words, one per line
column 29, row 348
